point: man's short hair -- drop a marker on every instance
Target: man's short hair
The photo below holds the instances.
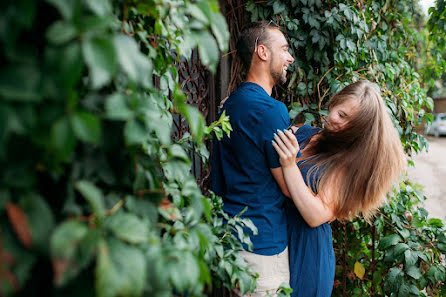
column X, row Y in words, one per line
column 251, row 36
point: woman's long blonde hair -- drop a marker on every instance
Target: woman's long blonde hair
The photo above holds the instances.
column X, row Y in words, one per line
column 360, row 162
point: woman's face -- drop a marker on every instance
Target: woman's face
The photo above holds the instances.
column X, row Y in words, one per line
column 341, row 114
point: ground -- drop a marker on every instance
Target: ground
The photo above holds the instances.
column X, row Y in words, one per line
column 430, row 172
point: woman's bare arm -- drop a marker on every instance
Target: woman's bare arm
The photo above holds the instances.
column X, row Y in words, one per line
column 314, row 211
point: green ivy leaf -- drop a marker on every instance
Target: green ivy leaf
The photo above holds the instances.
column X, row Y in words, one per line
column 143, row 208
column 116, row 107
column 429, row 103
column 413, row 271
column 64, row 244
column 220, row 30
column 184, row 261
column 94, row 197
column 86, row 127
column 405, row 234
column 207, row 209
column 137, row 66
column 176, row 151
column 246, row 282
column 176, row 170
column 161, row 125
column 135, row 132
column 128, row 227
column 388, row 241
column 208, row 49
column 435, row 274
column 120, row 271
column 40, row 219
column 394, row 279
column 107, row 276
column 196, row 122
column 279, row 7
column 377, row 277
column 399, row 249
column 309, row 118
column 205, row 275
column 62, row 138
column 436, row 222
column 414, row 290
column 60, row 32
column 99, row 7
column 410, row 257
column 200, row 12
column 251, row 6
column 67, row 8
column 100, row 56
column 302, row 88
column 70, row 65
column 97, row 24
column 404, row 289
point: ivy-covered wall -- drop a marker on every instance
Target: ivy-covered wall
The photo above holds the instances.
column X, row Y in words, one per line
column 97, row 199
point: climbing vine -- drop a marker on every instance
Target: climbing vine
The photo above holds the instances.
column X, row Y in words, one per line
column 96, row 197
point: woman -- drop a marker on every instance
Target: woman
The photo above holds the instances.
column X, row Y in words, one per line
column 349, row 166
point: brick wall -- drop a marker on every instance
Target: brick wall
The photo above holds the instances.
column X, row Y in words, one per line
column 440, row 105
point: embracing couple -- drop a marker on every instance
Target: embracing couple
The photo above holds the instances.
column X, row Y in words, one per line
column 296, row 180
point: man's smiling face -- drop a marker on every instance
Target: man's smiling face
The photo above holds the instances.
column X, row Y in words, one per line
column 280, row 57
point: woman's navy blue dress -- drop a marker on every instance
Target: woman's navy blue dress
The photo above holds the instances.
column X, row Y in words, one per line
column 312, row 260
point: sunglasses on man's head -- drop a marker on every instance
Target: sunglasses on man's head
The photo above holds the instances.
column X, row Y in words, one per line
column 263, row 31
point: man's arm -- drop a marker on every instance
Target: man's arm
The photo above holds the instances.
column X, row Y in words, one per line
column 273, row 120
column 278, row 176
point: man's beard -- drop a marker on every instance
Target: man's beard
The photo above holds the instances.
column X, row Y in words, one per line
column 279, row 77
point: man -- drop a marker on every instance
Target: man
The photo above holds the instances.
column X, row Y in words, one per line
column 245, row 167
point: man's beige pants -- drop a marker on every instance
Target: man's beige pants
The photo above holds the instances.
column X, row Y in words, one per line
column 273, row 271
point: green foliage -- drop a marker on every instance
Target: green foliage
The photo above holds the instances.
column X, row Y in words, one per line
column 94, row 193
column 398, row 251
column 435, row 60
column 338, row 42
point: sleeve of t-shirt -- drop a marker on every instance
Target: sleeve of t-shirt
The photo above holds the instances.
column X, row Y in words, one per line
column 216, row 173
column 274, row 118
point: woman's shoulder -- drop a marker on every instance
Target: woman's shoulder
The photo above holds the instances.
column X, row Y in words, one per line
column 304, row 131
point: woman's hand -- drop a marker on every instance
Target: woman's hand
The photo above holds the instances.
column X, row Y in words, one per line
column 314, row 211
column 286, row 146
column 222, row 102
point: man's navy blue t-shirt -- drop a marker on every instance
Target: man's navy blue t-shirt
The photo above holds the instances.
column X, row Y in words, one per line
column 241, row 165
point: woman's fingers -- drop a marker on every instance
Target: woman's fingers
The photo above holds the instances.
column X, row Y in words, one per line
column 278, row 150
column 280, row 143
column 292, row 139
column 290, row 142
column 287, row 157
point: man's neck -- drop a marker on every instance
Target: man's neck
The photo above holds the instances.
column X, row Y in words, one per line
column 262, row 81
